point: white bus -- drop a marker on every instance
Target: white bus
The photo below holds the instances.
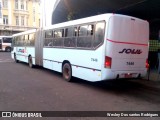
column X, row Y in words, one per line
column 5, row 43
column 102, row 47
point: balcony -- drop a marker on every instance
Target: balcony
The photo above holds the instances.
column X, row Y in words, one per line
column 20, row 12
column 15, row 28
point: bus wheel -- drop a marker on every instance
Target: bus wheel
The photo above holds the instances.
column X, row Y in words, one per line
column 67, row 72
column 30, row 63
column 8, row 49
column 15, row 58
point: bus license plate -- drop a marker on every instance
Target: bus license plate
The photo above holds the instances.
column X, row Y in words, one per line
column 128, row 75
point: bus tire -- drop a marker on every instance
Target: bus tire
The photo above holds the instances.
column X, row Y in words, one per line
column 30, row 62
column 15, row 58
column 67, row 72
column 8, row 49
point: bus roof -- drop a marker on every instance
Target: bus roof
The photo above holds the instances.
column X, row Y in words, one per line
column 85, row 20
column 6, row 36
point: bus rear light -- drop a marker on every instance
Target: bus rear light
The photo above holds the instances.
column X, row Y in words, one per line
column 147, row 64
column 108, row 62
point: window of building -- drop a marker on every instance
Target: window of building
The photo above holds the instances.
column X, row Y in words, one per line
column 5, row 3
column 0, row 10
column 17, row 20
column 22, row 4
column 5, row 19
column 16, row 4
column 34, row 17
column 27, row 21
column 22, row 20
column 26, row 5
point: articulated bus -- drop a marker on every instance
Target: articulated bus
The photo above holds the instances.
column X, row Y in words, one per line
column 5, row 43
column 97, row 48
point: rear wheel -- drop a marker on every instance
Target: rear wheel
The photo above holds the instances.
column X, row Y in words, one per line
column 67, row 72
column 30, row 63
column 8, row 49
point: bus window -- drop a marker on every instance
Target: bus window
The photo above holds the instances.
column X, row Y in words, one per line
column 26, row 40
column 32, row 39
column 49, row 38
column 21, row 40
column 7, row 40
column 13, row 41
column 83, row 30
column 99, row 34
column 83, row 41
column 58, row 38
column 90, row 30
column 69, row 40
column 75, row 31
column 69, row 32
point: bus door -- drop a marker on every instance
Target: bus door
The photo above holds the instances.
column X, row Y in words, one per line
column 0, row 43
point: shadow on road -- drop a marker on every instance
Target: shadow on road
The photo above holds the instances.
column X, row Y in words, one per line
column 137, row 89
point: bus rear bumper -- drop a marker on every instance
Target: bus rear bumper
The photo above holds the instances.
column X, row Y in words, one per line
column 109, row 74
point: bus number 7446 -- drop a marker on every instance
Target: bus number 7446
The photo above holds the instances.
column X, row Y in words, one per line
column 94, row 59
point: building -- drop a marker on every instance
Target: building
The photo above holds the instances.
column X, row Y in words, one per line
column 19, row 15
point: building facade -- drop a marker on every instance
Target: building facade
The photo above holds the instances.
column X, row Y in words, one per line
column 19, row 15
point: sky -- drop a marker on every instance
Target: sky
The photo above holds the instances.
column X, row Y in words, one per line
column 48, row 9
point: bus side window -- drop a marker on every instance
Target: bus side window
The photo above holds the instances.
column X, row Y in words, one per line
column 99, row 34
column 49, row 38
column 58, row 38
column 75, row 31
column 90, row 30
column 16, row 41
column 69, row 40
column 83, row 41
column 26, row 40
column 32, row 39
column 21, row 40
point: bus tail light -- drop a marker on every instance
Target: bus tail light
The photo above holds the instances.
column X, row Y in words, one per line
column 108, row 62
column 147, row 64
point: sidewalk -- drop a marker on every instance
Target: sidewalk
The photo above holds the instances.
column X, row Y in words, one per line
column 153, row 75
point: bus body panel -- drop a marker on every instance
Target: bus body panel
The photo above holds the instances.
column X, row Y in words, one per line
column 39, row 47
column 22, row 54
column 127, row 45
column 86, row 64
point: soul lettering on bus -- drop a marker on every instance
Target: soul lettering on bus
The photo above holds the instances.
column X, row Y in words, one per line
column 131, row 51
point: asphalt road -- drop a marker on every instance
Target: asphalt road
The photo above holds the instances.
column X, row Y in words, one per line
column 39, row 89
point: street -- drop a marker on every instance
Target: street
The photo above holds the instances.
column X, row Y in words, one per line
column 39, row 89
